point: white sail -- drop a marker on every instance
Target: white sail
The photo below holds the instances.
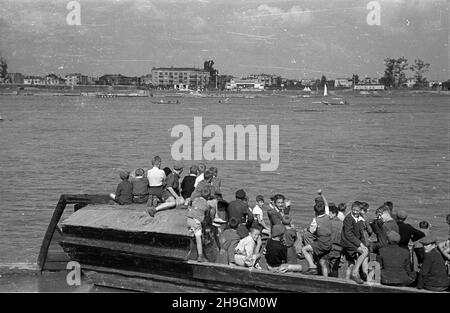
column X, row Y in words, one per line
column 325, row 91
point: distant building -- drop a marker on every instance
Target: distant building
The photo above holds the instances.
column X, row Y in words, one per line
column 410, row 82
column 14, row 78
column 146, row 80
column 307, row 81
column 53, row 79
column 265, row 79
column 118, row 79
column 343, row 83
column 369, row 81
column 244, row 84
column 76, row 79
column 33, row 80
column 180, row 77
column 434, row 84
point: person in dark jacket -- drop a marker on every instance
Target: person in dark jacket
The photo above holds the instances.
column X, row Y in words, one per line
column 352, row 243
column 382, row 225
column 280, row 208
column 240, row 210
column 187, row 185
column 395, row 263
column 124, row 191
column 140, row 187
column 433, row 274
column 406, row 231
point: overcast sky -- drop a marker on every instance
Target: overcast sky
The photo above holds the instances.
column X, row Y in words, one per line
column 294, row 39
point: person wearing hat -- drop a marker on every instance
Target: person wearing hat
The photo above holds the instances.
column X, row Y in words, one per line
column 276, row 252
column 240, row 210
column 406, row 231
column 290, row 237
column 171, row 193
column 433, row 274
column 124, row 191
column 140, row 187
column 196, row 217
column 395, row 263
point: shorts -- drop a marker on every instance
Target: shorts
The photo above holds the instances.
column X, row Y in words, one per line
column 351, row 254
column 140, row 199
column 194, row 227
column 242, row 260
column 156, row 191
column 319, row 251
column 335, row 252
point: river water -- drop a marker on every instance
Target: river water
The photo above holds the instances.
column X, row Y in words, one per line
column 377, row 149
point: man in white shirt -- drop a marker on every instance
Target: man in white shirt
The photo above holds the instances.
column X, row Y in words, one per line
column 201, row 171
column 156, row 177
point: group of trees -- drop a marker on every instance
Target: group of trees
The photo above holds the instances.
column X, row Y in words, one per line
column 213, row 73
column 3, row 69
column 395, row 76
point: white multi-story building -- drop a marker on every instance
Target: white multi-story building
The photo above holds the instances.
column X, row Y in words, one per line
column 180, row 77
column 343, row 82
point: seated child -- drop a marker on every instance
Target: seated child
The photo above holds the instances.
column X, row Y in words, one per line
column 140, row 187
column 276, row 253
column 258, row 213
column 187, row 185
column 290, row 236
column 124, row 191
column 424, row 227
column 196, row 216
column 321, row 246
column 444, row 248
column 229, row 239
column 433, row 274
column 171, row 193
column 244, row 254
column 342, row 207
column 334, row 257
column 216, row 182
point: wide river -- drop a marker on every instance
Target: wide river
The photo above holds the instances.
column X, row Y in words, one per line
column 377, row 149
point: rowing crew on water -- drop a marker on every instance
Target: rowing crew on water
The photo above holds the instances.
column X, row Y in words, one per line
column 332, row 237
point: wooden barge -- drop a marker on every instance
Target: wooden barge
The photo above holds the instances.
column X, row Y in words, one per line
column 123, row 247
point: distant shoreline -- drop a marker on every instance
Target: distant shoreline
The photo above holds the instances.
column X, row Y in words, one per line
column 137, row 91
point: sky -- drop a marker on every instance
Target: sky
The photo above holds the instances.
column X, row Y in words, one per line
column 294, row 39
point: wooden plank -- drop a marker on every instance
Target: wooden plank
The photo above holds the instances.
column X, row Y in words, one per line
column 130, row 280
column 136, row 237
column 50, row 231
column 169, row 252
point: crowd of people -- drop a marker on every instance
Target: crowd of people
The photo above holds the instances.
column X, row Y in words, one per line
column 403, row 254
